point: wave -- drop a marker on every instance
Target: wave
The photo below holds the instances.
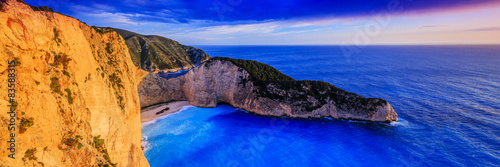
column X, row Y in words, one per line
column 402, row 122
column 145, row 144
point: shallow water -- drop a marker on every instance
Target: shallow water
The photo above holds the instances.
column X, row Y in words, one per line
column 447, row 99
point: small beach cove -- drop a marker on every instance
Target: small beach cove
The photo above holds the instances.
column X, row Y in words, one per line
column 155, row 111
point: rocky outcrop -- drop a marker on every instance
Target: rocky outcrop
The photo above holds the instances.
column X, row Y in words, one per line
column 223, row 80
column 156, row 53
column 76, row 90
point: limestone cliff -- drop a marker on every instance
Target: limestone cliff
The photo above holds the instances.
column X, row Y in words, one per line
column 156, row 53
column 76, row 90
column 261, row 89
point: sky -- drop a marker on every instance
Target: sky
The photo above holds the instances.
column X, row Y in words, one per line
column 295, row 22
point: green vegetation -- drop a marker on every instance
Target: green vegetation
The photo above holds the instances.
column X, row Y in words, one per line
column 25, row 123
column 115, row 80
column 80, row 145
column 108, row 48
column 117, row 85
column 106, row 157
column 66, row 73
column 56, row 36
column 259, row 71
column 99, row 145
column 30, row 154
column 102, row 30
column 61, row 59
column 111, row 60
column 68, row 96
column 71, row 142
column 150, row 52
column 37, row 82
column 54, row 85
column 18, row 62
column 267, row 79
column 98, row 30
column 42, row 8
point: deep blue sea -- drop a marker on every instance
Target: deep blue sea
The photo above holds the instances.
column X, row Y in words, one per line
column 447, row 99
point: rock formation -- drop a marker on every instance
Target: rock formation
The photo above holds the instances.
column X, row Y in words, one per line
column 156, row 53
column 76, row 90
column 265, row 92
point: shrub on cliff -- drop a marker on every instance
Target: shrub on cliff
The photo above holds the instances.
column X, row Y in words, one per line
column 68, row 95
column 259, row 71
column 71, row 142
column 61, row 59
column 30, row 154
column 42, row 8
column 108, row 48
column 102, row 30
column 56, row 36
column 25, row 123
column 99, row 145
column 66, row 73
column 54, row 85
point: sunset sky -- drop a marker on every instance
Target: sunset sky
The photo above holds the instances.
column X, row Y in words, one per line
column 301, row 22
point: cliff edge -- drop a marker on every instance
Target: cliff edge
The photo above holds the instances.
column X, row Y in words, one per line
column 156, row 53
column 76, row 92
column 261, row 89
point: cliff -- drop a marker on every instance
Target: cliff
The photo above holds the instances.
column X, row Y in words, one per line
column 76, row 90
column 156, row 53
column 261, row 89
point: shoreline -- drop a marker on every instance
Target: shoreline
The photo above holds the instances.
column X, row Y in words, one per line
column 149, row 113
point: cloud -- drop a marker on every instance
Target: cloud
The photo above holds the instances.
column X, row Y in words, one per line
column 184, row 11
column 104, row 7
column 432, row 26
column 242, row 29
column 486, row 29
column 114, row 18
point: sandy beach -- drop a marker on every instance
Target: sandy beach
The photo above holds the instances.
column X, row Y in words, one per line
column 149, row 113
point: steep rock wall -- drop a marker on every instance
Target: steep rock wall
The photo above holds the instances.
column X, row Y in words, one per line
column 76, row 89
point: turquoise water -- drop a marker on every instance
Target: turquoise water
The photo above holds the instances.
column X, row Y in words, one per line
column 447, row 99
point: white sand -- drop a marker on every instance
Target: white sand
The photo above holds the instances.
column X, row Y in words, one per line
column 149, row 113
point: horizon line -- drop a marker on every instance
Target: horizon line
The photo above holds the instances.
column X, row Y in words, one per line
column 444, row 44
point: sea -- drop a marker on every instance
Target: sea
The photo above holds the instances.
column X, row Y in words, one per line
column 447, row 99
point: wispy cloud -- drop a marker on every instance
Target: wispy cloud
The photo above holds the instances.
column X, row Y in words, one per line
column 259, row 10
column 104, row 7
column 485, row 29
column 432, row 26
column 242, row 29
column 115, row 18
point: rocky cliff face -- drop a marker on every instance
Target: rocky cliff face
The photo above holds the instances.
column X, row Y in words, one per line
column 76, row 90
column 225, row 80
column 156, row 53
